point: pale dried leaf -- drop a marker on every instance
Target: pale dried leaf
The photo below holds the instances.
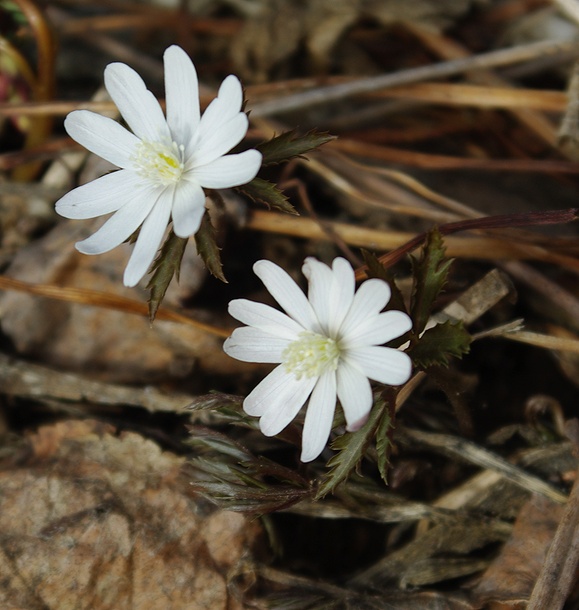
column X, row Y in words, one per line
column 118, row 346
column 511, row 577
column 91, row 520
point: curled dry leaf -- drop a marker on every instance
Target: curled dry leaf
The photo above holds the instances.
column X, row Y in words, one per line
column 91, row 520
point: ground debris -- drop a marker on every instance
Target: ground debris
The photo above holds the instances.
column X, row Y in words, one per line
column 92, row 520
column 441, row 113
column 512, row 575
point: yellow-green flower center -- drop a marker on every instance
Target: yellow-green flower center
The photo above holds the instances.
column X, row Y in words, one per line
column 158, row 162
column 311, row 355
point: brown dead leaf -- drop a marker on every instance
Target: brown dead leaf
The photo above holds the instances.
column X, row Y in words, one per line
column 94, row 521
column 118, row 346
column 511, row 577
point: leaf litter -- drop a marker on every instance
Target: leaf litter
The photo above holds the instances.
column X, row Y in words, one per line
column 455, row 494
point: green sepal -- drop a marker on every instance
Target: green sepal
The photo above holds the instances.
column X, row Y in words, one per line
column 289, row 145
column 430, row 275
column 166, row 265
column 208, row 249
column 439, row 343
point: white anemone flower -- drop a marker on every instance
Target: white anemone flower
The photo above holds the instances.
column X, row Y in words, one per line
column 165, row 163
column 328, row 344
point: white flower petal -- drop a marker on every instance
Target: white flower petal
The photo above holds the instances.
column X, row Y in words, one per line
column 278, row 398
column 330, row 291
column 254, row 345
column 223, row 108
column 102, row 136
column 265, row 318
column 149, row 240
column 345, row 282
column 379, row 329
column 119, row 227
column 137, row 105
column 182, row 94
column 320, row 290
column 228, row 171
column 355, row 394
column 101, row 196
column 287, row 293
column 319, row 417
column 371, row 297
column 382, row 364
column 231, row 92
column 221, row 140
column 188, row 208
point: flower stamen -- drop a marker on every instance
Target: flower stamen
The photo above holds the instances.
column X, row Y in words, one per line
column 311, row 355
column 159, row 162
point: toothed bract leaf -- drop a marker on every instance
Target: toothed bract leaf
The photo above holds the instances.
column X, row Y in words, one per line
column 214, row 400
column 289, row 144
column 166, row 265
column 384, row 444
column 377, row 269
column 208, row 249
column 232, row 477
column 263, row 191
column 351, row 449
column 430, row 275
column 328, row 345
column 165, row 161
column 440, row 343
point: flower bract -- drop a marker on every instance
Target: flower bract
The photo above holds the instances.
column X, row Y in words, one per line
column 327, row 344
column 165, row 161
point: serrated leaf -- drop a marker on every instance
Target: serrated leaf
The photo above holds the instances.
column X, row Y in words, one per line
column 229, row 475
column 383, row 444
column 209, row 440
column 430, row 275
column 438, row 344
column 208, row 249
column 166, row 265
column 289, row 145
column 263, row 191
column 351, row 447
column 214, row 400
column 377, row 270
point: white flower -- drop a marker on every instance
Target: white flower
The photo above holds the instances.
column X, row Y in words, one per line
column 328, row 344
column 165, row 162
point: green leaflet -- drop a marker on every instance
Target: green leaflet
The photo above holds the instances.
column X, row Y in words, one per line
column 168, row 262
column 430, row 275
column 351, row 447
column 289, row 145
column 166, row 265
column 229, row 475
column 376, row 269
column 438, row 344
column 208, row 249
column 263, row 191
column 383, row 444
